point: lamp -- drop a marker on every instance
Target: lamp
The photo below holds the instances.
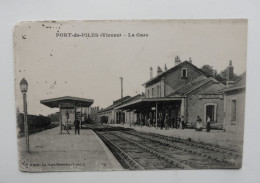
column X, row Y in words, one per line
column 24, row 88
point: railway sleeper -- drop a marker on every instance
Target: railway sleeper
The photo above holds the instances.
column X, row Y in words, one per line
column 181, row 165
column 198, row 144
column 131, row 163
column 187, row 150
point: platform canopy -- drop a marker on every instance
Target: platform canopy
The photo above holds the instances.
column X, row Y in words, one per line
column 145, row 102
column 67, row 102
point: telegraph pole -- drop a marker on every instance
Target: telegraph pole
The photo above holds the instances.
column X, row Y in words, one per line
column 121, row 78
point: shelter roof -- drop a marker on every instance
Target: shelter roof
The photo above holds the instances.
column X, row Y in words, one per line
column 56, row 102
column 146, row 101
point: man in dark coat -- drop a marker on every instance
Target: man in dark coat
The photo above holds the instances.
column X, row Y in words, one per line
column 77, row 123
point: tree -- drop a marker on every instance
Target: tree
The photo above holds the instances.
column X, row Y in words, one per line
column 209, row 70
column 221, row 77
column 223, row 74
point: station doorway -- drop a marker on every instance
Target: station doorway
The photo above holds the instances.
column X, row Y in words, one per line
column 210, row 113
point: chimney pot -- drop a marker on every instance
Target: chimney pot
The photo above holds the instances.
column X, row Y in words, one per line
column 151, row 72
column 165, row 68
column 230, row 62
column 177, row 60
column 190, row 60
column 230, row 71
column 159, row 70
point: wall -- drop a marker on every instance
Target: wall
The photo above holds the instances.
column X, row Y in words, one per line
column 130, row 117
column 174, row 80
column 160, row 83
column 195, row 105
column 237, row 126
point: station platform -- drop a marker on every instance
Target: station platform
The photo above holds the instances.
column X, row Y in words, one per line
column 51, row 151
column 229, row 140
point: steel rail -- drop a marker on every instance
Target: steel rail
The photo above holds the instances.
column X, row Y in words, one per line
column 182, row 148
column 197, row 144
column 156, row 153
column 127, row 159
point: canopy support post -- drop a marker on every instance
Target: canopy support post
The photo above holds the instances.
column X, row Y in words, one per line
column 156, row 115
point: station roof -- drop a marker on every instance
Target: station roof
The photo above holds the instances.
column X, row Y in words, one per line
column 115, row 104
column 55, row 102
column 147, row 101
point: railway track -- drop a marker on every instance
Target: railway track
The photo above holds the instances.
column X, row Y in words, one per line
column 204, row 150
column 136, row 156
column 141, row 150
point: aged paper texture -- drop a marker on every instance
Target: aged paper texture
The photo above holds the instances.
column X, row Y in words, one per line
column 130, row 95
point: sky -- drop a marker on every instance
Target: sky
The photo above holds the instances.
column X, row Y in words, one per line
column 91, row 67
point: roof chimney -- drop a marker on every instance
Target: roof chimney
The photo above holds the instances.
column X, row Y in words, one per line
column 230, row 71
column 165, row 68
column 159, row 70
column 177, row 60
column 151, row 72
column 190, row 60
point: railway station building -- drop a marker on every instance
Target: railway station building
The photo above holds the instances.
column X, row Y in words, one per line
column 182, row 91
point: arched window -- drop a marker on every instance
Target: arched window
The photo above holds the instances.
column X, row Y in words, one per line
column 233, row 110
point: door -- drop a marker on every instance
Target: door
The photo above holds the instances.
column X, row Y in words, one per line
column 210, row 113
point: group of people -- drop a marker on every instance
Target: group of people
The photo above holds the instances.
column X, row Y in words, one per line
column 164, row 121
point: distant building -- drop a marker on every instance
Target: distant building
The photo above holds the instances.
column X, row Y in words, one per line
column 113, row 115
column 234, row 105
column 93, row 114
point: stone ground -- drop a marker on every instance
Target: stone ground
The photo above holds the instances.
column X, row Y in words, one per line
column 229, row 140
column 50, row 151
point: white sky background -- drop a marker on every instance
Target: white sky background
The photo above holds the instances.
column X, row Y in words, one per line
column 90, row 68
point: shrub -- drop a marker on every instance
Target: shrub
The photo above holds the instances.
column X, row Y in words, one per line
column 34, row 122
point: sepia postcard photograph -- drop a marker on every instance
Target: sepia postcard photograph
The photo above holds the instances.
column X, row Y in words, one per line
column 113, row 95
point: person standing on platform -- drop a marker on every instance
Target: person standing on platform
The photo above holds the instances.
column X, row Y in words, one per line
column 199, row 124
column 208, row 124
column 182, row 122
column 166, row 122
column 161, row 120
column 178, row 121
column 77, row 123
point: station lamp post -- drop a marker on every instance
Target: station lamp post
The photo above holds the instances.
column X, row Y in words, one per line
column 24, row 88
